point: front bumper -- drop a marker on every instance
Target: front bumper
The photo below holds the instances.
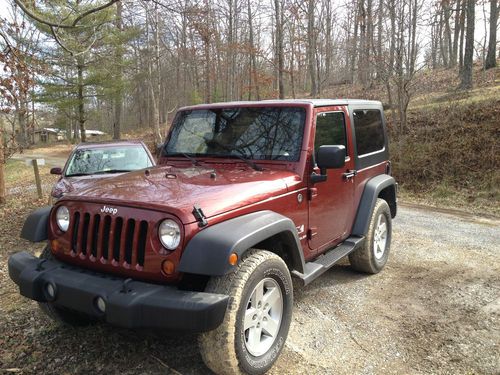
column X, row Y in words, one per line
column 129, row 303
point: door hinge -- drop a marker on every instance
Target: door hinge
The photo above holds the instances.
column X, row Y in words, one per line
column 311, row 232
column 312, row 193
column 350, row 174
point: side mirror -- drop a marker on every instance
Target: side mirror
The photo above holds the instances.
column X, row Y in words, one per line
column 330, row 157
column 56, row 170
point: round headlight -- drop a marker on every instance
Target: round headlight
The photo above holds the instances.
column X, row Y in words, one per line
column 62, row 218
column 170, row 234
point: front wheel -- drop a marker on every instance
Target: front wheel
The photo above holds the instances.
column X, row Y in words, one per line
column 373, row 255
column 257, row 319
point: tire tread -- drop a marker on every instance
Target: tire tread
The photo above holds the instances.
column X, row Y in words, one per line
column 217, row 346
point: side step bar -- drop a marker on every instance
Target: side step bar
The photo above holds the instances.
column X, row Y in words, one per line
column 325, row 261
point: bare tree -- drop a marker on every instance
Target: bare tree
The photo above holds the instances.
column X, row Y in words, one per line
column 278, row 15
column 119, row 75
column 2, row 168
column 466, row 73
column 311, row 49
column 491, row 60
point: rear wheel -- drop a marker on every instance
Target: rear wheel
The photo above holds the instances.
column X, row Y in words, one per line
column 60, row 314
column 257, row 319
column 373, row 255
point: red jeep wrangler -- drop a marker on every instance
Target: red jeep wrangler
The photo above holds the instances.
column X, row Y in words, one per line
column 246, row 195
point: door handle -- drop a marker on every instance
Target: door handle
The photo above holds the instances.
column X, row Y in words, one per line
column 350, row 174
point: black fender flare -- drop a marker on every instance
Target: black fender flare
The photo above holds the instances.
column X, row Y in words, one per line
column 207, row 253
column 370, row 194
column 35, row 228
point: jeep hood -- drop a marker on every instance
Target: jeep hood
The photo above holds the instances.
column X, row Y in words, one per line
column 215, row 190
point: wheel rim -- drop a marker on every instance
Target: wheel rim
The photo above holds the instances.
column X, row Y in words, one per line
column 263, row 314
column 380, row 237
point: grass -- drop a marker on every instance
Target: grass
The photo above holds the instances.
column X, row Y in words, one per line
column 437, row 100
column 481, row 203
column 18, row 173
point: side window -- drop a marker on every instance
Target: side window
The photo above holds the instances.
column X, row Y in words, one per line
column 330, row 129
column 369, row 130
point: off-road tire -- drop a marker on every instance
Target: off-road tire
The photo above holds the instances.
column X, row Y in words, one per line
column 224, row 350
column 60, row 314
column 364, row 259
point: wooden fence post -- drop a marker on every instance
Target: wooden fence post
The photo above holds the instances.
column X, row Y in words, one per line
column 37, row 178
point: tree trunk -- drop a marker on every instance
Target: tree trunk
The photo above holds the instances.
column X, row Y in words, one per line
column 253, row 60
column 392, row 12
column 369, row 39
column 81, row 108
column 363, row 44
column 354, row 46
column 447, row 32
column 119, row 75
column 279, row 47
column 442, row 42
column 311, row 48
column 229, row 72
column 157, row 77
column 328, row 41
column 22, row 114
column 208, row 88
column 413, row 45
column 2, row 168
column 491, row 61
column 462, row 36
column 434, row 43
column 379, row 39
column 466, row 76
column 456, row 34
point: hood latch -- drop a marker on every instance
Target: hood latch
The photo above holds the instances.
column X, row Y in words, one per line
column 199, row 216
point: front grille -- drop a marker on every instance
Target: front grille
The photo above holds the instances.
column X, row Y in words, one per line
column 109, row 239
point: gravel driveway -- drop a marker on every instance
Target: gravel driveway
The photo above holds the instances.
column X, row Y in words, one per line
column 434, row 309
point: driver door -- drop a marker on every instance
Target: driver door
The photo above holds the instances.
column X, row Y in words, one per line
column 331, row 203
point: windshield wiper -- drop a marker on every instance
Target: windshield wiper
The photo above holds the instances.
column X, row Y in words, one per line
column 241, row 157
column 113, row 171
column 187, row 156
column 78, row 174
column 247, row 161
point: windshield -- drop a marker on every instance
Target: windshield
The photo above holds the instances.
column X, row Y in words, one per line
column 260, row 133
column 107, row 160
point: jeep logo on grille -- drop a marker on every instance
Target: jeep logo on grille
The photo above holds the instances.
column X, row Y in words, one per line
column 109, row 210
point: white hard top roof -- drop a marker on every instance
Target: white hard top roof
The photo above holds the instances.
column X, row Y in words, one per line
column 313, row 102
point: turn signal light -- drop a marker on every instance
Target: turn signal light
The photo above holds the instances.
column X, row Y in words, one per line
column 54, row 244
column 233, row 259
column 168, row 267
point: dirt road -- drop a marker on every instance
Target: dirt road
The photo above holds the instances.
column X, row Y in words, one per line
column 434, row 309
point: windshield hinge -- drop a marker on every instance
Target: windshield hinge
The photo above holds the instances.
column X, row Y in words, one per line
column 199, row 216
